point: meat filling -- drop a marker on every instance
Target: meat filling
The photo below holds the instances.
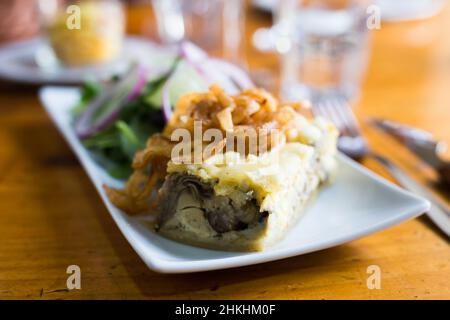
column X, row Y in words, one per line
column 222, row 212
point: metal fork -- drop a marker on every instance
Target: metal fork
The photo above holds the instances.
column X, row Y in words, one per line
column 336, row 108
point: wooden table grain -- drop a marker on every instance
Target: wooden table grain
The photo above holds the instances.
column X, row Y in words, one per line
column 51, row 216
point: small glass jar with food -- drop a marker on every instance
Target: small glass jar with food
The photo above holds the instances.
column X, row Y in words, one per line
column 83, row 32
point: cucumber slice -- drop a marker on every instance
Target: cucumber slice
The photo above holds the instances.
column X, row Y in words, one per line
column 185, row 79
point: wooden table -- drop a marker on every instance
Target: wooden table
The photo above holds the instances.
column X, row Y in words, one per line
column 51, row 216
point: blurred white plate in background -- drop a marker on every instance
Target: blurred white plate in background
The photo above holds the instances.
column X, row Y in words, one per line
column 18, row 62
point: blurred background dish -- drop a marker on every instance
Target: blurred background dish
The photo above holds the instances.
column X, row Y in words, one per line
column 66, row 42
column 82, row 32
column 18, row 62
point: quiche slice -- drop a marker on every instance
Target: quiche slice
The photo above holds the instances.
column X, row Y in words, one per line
column 233, row 200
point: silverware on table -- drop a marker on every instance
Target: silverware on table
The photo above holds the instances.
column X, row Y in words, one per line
column 421, row 143
column 336, row 108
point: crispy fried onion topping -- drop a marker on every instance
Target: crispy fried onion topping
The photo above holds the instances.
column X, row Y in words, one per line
column 251, row 109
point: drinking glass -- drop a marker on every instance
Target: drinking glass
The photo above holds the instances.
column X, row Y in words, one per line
column 324, row 46
column 215, row 25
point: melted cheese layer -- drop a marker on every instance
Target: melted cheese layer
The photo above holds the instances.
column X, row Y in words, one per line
column 264, row 176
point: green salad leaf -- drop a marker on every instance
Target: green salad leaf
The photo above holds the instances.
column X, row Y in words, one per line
column 114, row 147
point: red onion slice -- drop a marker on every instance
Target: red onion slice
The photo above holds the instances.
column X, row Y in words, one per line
column 142, row 78
column 86, row 125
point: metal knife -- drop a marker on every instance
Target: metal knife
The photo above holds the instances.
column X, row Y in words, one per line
column 439, row 212
column 421, row 143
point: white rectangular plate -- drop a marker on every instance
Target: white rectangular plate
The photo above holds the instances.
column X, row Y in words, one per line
column 358, row 203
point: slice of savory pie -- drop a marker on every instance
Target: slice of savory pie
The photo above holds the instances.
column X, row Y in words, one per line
column 240, row 191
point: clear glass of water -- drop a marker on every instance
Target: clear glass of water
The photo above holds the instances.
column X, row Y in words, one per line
column 324, row 46
column 215, row 25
